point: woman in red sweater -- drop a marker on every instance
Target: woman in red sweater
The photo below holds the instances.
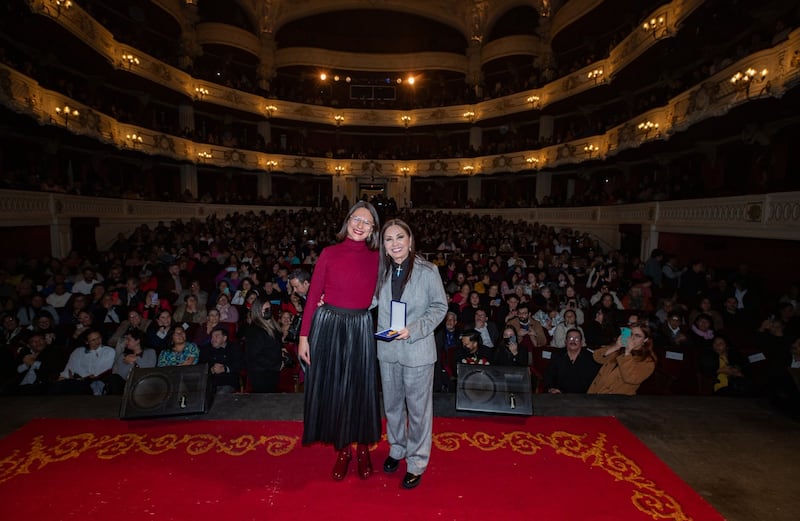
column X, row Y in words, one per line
column 336, row 342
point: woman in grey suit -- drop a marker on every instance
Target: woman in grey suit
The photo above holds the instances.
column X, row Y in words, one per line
column 407, row 362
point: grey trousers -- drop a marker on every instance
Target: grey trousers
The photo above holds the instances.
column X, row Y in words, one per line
column 408, row 404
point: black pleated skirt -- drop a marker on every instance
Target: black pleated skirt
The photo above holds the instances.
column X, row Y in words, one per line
column 341, row 387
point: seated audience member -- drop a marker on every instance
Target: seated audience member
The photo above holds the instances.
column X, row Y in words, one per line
column 195, row 289
column 636, row 300
column 245, row 286
column 725, row 367
column 37, row 306
column 59, row 298
column 447, row 337
column 560, row 333
column 224, row 361
column 202, row 334
column 227, row 312
column 606, row 289
column 153, row 304
column 43, row 325
column 38, row 366
column 81, row 328
column 133, row 355
column 624, row 367
column 134, row 321
column 598, row 331
column 86, row 368
column 130, row 296
column 673, row 333
column 472, row 351
column 511, row 351
column 467, row 315
column 180, row 352
column 146, row 282
column 572, row 370
column 611, row 313
column 13, row 337
column 732, row 317
column 507, row 310
column 87, row 282
column 189, row 312
column 490, row 335
column 530, row 331
column 704, row 306
column 172, row 283
column 159, row 332
column 572, row 304
column 700, row 333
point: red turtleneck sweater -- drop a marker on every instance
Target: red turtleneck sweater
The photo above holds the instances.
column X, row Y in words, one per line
column 345, row 275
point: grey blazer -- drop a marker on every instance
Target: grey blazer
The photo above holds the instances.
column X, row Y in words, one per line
column 426, row 307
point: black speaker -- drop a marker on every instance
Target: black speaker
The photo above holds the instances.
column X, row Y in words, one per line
column 166, row 391
column 494, row 388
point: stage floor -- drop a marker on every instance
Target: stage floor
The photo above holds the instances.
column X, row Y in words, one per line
column 739, row 454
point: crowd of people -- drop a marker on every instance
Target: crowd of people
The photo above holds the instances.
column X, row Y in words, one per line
column 224, row 291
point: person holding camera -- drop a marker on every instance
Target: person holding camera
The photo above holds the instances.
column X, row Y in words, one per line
column 263, row 349
column 510, row 351
column 626, row 363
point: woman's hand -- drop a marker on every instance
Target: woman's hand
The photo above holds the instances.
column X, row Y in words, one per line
column 303, row 350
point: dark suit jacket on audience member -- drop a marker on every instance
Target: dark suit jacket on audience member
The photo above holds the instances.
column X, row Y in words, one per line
column 569, row 377
column 230, row 356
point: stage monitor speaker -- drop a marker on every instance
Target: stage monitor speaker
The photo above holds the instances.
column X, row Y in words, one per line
column 494, row 388
column 166, row 391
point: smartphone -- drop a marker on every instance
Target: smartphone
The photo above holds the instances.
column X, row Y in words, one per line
column 155, row 298
column 625, row 334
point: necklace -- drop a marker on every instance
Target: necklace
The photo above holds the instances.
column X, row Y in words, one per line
column 399, row 269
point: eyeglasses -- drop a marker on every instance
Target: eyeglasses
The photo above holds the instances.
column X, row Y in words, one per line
column 573, row 338
column 356, row 220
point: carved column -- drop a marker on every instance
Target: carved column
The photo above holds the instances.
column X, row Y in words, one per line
column 474, row 188
column 475, row 137
column 189, row 179
column 189, row 48
column 186, row 117
column 264, row 185
column 544, row 183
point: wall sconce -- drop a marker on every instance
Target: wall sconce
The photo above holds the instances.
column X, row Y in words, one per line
column 404, row 170
column 595, row 75
column 67, row 113
column 533, row 162
column 406, row 119
column 647, row 127
column 339, row 119
column 129, row 60
column 200, row 93
column 203, row 156
column 270, row 109
column 654, row 24
column 271, row 164
column 468, row 169
column 134, row 139
column 339, row 169
column 590, row 149
column 469, row 116
column 533, row 101
column 743, row 81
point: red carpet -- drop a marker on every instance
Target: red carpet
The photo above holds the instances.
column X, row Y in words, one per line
column 538, row 468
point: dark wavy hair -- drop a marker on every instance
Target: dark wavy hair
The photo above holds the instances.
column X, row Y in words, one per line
column 373, row 240
column 386, row 266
